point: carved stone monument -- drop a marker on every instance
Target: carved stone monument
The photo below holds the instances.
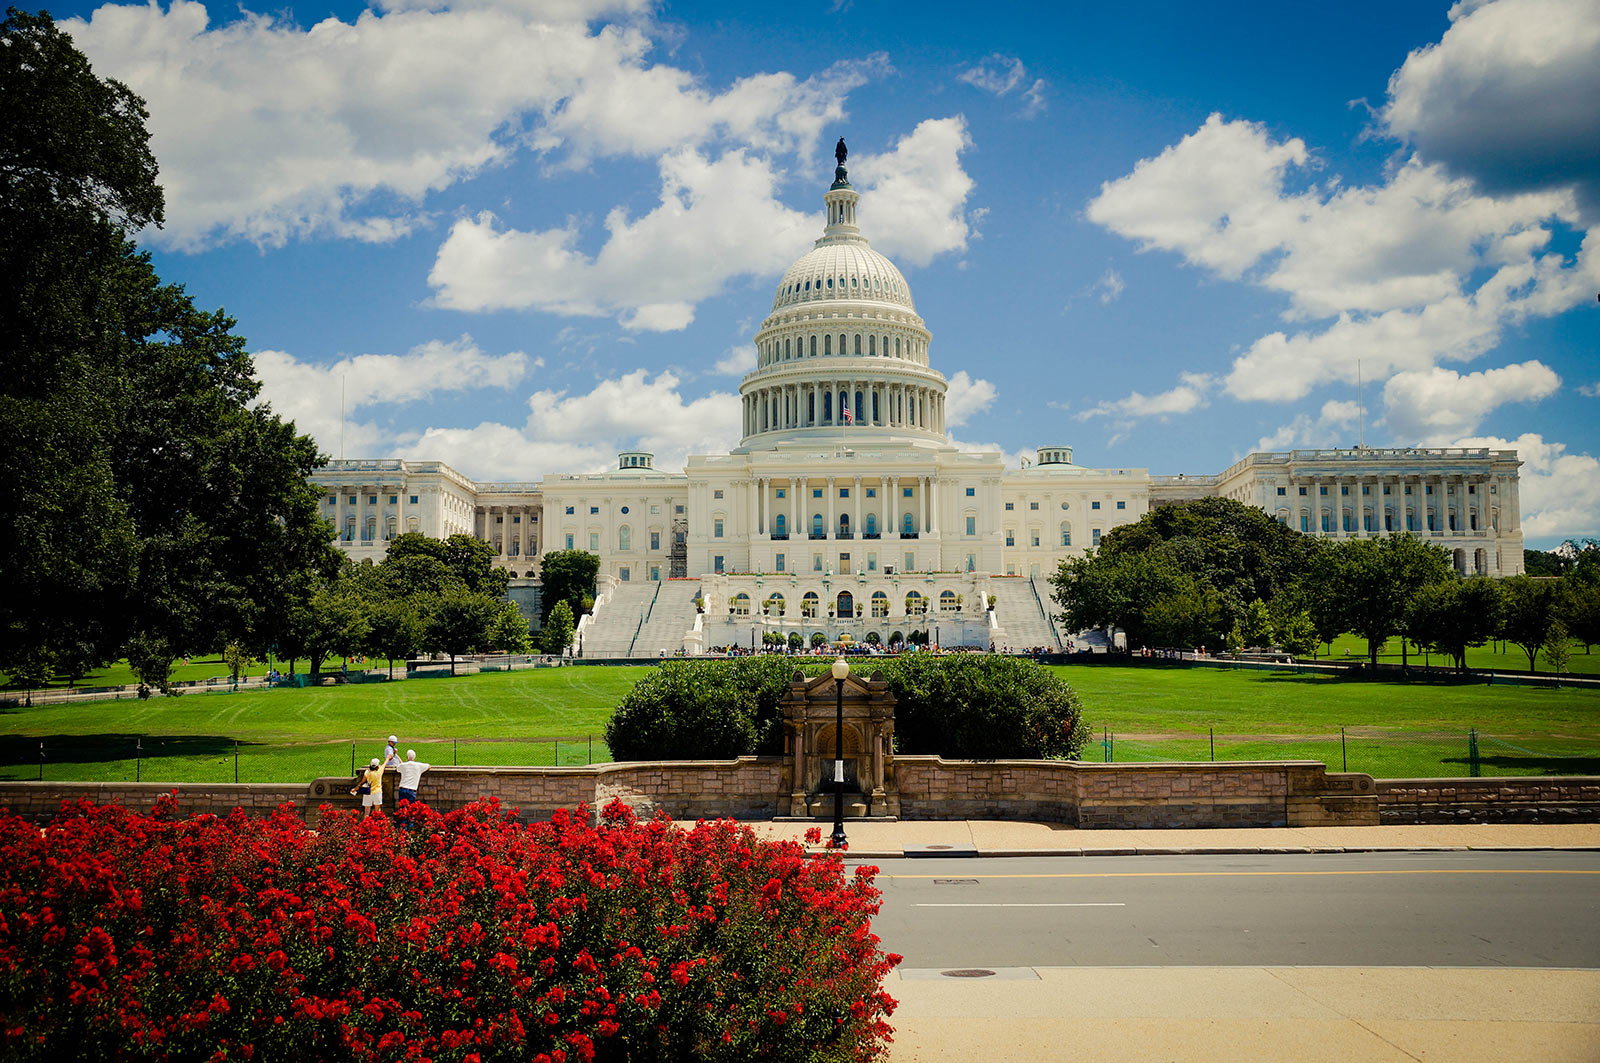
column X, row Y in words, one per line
column 808, row 746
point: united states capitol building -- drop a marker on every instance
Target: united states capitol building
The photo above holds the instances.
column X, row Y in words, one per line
column 846, row 510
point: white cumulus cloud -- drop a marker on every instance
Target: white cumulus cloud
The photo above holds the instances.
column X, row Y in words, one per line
column 1001, row 75
column 1430, row 406
column 914, row 196
column 1559, row 492
column 324, row 400
column 966, row 397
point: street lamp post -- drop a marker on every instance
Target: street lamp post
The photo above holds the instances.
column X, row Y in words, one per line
column 841, row 672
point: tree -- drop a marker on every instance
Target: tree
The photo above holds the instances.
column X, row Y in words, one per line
column 148, row 508
column 468, row 559
column 395, row 628
column 568, row 576
column 1365, row 586
column 556, row 635
column 1530, row 609
column 237, row 660
column 1296, row 633
column 1581, row 609
column 1452, row 615
column 338, row 625
column 818, row 639
column 796, row 641
column 508, row 631
column 460, row 623
column 1558, row 648
column 1255, row 626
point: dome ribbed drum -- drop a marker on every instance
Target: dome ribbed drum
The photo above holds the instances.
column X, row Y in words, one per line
column 843, row 353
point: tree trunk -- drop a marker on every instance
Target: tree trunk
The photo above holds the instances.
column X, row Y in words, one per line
column 1533, row 655
column 452, row 664
column 1372, row 653
column 391, row 667
column 1405, row 662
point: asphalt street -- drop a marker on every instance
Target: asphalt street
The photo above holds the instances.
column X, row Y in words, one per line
column 1458, row 909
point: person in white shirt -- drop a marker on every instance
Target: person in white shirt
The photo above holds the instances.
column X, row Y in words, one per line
column 391, row 753
column 411, row 775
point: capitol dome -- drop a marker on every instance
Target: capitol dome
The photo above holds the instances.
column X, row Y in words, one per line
column 843, row 352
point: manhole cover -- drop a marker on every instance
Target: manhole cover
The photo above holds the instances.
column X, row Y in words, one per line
column 968, row 972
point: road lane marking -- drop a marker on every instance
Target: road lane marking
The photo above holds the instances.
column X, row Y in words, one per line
column 1019, row 904
column 1259, row 874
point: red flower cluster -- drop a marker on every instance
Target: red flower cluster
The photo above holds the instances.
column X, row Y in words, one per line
column 467, row 937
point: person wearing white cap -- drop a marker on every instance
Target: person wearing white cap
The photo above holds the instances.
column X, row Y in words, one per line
column 371, row 787
column 391, row 753
column 411, row 775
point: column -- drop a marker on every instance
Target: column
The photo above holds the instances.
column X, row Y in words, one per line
column 855, row 521
column 886, row 485
column 796, row 485
column 831, row 516
column 893, row 531
column 751, row 507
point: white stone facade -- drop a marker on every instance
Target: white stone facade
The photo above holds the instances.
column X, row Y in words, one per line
column 845, row 493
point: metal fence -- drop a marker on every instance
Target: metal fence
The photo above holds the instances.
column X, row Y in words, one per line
column 202, row 759
column 1380, row 753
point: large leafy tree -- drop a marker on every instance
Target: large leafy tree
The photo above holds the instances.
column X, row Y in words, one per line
column 1451, row 615
column 147, row 506
column 568, row 576
column 1366, row 586
column 1530, row 608
column 1183, row 574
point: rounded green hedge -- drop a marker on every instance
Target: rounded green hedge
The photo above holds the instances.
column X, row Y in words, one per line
column 962, row 706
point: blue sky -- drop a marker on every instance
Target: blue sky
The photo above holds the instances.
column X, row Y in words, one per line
column 522, row 236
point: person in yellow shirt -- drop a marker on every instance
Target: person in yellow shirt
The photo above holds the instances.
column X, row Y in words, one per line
column 370, row 787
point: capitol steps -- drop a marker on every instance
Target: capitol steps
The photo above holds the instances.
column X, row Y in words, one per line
column 610, row 632
column 670, row 618
column 1021, row 614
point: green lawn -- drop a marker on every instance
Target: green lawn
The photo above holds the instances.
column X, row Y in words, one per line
column 198, row 669
column 1389, row 729
column 1147, row 713
column 1481, row 657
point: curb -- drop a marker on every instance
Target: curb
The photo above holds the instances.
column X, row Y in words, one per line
column 1246, row 850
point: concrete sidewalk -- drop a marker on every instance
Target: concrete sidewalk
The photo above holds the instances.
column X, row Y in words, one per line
column 878, row 840
column 1184, row 1014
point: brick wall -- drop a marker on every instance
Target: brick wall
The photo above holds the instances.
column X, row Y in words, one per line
column 1504, row 800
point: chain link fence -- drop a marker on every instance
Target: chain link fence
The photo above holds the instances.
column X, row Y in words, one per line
column 204, row 759
column 1380, row 753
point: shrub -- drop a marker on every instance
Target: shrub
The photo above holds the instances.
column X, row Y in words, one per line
column 968, row 706
column 467, row 937
column 689, row 710
column 981, row 707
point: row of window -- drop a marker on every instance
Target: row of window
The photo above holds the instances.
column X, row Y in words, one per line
column 843, row 605
column 372, row 500
column 868, row 344
column 1347, row 522
column 1093, row 504
column 821, row 286
column 595, row 510
column 1366, row 489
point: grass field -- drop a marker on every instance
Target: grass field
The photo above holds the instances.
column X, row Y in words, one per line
column 197, row 669
column 1147, row 713
column 1487, row 658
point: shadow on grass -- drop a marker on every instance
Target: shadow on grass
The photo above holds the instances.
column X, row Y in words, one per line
column 1530, row 764
column 20, row 755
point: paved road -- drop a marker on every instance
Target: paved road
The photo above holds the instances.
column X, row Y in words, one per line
column 1467, row 909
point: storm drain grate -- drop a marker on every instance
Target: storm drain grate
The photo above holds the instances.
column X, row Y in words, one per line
column 968, row 972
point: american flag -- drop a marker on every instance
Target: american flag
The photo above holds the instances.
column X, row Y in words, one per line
column 849, row 417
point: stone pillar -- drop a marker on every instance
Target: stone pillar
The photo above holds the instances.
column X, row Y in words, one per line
column 855, row 521
column 796, row 485
column 893, row 507
column 830, row 528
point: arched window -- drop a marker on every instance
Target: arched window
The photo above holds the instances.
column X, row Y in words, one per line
column 388, row 529
column 872, row 526
column 739, row 604
column 908, row 524
column 947, row 601
column 872, row 345
column 897, row 346
column 842, row 346
column 1066, row 534
column 780, row 524
column 808, row 605
column 844, row 525
column 776, row 605
column 786, row 350
column 369, row 531
column 861, row 406
column 350, row 530
column 817, row 528
column 916, row 604
column 845, row 606
column 880, row 604
column 624, row 538
column 858, row 343
column 827, row 407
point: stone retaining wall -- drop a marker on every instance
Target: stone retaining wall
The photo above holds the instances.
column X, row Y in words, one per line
column 1084, row 795
column 1519, row 799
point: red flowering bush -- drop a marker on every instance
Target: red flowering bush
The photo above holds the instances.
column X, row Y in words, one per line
column 467, row 937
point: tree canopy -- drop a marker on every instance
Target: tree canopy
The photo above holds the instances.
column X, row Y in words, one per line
column 149, row 507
